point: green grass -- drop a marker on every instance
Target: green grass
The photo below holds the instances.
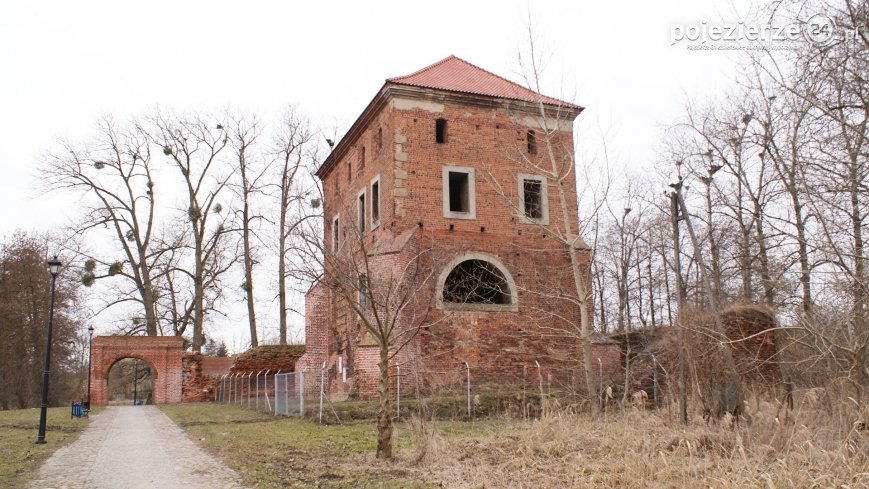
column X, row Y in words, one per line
column 275, row 452
column 20, row 456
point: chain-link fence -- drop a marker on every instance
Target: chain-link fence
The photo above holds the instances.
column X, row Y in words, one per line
column 290, row 394
column 276, row 393
column 456, row 391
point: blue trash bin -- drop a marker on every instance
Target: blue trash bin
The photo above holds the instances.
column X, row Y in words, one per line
column 77, row 410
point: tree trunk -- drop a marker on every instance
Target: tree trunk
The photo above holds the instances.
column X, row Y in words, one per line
column 384, row 412
column 248, row 271
column 149, row 303
column 680, row 298
column 282, row 262
column 727, row 396
column 198, row 290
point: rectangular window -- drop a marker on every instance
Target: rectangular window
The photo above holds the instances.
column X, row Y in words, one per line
column 458, row 192
column 335, row 234
column 458, row 182
column 360, row 209
column 441, row 131
column 361, row 159
column 533, row 202
column 532, row 143
column 375, row 202
column 379, row 138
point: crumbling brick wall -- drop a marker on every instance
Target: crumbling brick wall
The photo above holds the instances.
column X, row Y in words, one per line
column 200, row 374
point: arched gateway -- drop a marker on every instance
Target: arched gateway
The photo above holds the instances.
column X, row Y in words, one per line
column 163, row 354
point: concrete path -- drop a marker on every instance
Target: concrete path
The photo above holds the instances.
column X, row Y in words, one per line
column 127, row 447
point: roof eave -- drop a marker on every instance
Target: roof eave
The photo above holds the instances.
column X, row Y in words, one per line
column 567, row 111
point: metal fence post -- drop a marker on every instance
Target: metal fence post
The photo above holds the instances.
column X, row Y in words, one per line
column 540, row 382
column 265, row 386
column 654, row 379
column 600, row 384
column 275, row 410
column 248, row 388
column 398, row 391
column 322, row 390
column 301, row 381
column 257, row 391
column 469, row 389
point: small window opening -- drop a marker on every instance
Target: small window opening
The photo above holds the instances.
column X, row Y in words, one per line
column 362, row 159
column 349, row 170
column 441, row 131
column 375, row 203
column 533, row 198
column 459, row 201
column 335, row 234
column 361, row 211
column 476, row 282
column 379, row 138
column 363, row 293
column 532, row 143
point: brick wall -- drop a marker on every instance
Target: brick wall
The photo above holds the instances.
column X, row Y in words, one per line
column 200, row 374
column 755, row 353
column 162, row 354
column 498, row 345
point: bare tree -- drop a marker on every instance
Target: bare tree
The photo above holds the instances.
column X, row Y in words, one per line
column 292, row 153
column 243, row 134
column 114, row 172
column 555, row 160
column 194, row 146
column 388, row 291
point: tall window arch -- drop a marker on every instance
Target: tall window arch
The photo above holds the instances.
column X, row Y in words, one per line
column 476, row 282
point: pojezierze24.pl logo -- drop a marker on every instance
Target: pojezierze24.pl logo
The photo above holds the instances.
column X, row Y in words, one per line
column 819, row 29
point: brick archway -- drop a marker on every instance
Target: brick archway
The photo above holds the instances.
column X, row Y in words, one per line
column 163, row 355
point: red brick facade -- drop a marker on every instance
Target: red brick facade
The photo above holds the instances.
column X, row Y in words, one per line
column 407, row 141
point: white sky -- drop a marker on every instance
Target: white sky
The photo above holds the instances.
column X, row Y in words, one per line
column 62, row 64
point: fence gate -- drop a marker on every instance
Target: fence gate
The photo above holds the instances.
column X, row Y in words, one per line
column 290, row 394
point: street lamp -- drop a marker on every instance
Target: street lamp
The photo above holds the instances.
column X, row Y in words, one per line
column 53, row 267
column 90, row 359
column 136, row 383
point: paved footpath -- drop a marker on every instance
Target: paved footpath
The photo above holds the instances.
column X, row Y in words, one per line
column 127, row 447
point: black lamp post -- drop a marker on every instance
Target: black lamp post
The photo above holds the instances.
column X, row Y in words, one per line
column 90, row 359
column 53, row 267
column 136, row 383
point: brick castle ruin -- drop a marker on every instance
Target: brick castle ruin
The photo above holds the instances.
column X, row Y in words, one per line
column 455, row 161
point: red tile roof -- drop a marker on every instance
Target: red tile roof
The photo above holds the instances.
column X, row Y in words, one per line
column 457, row 75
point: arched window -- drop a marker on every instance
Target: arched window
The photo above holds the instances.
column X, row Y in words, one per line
column 477, row 282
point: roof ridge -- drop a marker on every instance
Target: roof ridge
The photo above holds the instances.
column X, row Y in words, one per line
column 508, row 88
column 436, row 63
column 523, row 87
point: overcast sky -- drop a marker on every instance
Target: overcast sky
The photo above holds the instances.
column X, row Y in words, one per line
column 63, row 64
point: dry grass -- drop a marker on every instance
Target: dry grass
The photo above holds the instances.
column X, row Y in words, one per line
column 635, row 448
column 20, row 457
column 821, row 443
